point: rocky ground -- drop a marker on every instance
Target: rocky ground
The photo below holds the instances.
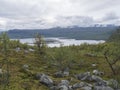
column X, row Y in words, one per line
column 86, row 81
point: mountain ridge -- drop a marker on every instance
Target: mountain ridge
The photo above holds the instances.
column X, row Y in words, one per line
column 81, row 33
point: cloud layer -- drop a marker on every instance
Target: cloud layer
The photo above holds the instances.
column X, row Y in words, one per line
column 52, row 13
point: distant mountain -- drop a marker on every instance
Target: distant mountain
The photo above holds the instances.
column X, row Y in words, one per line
column 81, row 33
column 115, row 37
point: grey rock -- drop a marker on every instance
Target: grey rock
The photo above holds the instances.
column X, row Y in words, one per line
column 17, row 49
column 46, row 80
column 83, row 76
column 54, row 88
column 66, row 72
column 59, row 74
column 78, row 85
column 70, row 88
column 63, row 73
column 89, row 85
column 86, row 88
column 99, row 73
column 31, row 50
column 64, row 82
column 101, row 83
column 96, row 78
column 26, row 51
column 83, row 85
column 38, row 76
column 94, row 65
column 63, row 87
column 102, row 88
column 113, row 83
column 25, row 67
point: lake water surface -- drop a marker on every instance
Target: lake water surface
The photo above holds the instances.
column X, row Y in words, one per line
column 56, row 42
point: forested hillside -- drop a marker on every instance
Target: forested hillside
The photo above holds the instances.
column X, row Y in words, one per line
column 115, row 37
column 81, row 33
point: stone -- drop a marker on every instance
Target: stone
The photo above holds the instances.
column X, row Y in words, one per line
column 101, row 83
column 26, row 51
column 99, row 73
column 54, row 88
column 86, row 88
column 102, row 88
column 70, row 88
column 59, row 74
column 95, row 72
column 63, row 73
column 96, row 78
column 38, row 76
column 64, row 82
column 114, row 84
column 31, row 50
column 94, row 65
column 17, row 49
column 83, row 86
column 66, row 72
column 78, row 85
column 46, row 80
column 83, row 76
column 89, row 85
column 63, row 87
column 25, row 66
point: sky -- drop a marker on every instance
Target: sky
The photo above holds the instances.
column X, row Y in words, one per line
column 37, row 14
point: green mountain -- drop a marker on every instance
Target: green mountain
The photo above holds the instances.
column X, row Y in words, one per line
column 115, row 37
column 81, row 33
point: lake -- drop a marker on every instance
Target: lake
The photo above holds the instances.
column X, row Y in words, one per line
column 56, row 42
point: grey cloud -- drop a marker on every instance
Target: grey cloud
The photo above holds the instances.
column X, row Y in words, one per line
column 21, row 8
column 74, row 20
column 60, row 21
column 99, row 5
column 51, row 13
column 110, row 16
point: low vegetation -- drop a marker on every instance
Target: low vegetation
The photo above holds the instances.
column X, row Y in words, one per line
column 19, row 63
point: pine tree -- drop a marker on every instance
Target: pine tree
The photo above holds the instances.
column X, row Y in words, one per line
column 40, row 46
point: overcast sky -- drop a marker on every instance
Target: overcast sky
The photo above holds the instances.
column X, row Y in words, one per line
column 53, row 13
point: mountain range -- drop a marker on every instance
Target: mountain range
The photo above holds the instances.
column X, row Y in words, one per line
column 80, row 33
